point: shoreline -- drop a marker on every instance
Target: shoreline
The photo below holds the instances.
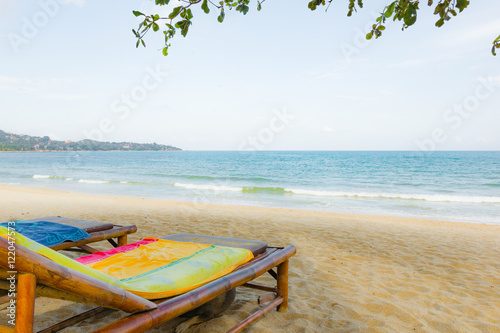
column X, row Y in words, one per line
column 200, row 206
column 351, row 272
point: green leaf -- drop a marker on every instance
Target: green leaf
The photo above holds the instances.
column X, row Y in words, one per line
column 259, row 7
column 143, row 43
column 204, row 6
column 493, row 50
column 390, row 10
column 462, row 4
column 165, row 51
column 137, row 44
column 440, row 22
column 156, row 27
column 189, row 14
column 135, row 33
column 438, row 8
column 381, row 28
column 185, row 28
column 156, row 17
column 221, row 16
column 137, row 13
column 162, row 2
column 175, row 12
column 369, row 35
column 429, row 2
column 410, row 16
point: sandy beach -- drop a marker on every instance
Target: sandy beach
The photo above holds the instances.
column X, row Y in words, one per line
column 351, row 273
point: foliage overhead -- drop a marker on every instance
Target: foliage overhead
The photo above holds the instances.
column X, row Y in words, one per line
column 180, row 18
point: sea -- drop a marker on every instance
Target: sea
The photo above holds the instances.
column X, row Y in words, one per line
column 452, row 186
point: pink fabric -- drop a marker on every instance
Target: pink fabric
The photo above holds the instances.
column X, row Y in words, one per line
column 106, row 254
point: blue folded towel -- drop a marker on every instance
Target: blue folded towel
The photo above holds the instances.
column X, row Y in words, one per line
column 47, row 233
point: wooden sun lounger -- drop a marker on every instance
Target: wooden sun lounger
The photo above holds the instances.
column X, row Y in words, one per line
column 98, row 231
column 40, row 276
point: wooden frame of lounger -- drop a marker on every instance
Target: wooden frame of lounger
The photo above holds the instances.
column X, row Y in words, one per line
column 97, row 233
column 37, row 275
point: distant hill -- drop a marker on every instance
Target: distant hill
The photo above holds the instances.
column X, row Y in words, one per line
column 21, row 142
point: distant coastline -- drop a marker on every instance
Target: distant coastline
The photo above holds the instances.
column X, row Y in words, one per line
column 77, row 151
column 10, row 142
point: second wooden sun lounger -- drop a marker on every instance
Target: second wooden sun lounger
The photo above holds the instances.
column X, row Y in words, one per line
column 98, row 231
column 38, row 275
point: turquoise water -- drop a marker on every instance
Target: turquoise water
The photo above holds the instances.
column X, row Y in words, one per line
column 456, row 186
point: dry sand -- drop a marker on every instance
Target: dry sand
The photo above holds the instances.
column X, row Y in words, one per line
column 352, row 273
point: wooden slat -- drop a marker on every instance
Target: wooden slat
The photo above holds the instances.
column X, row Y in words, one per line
column 172, row 308
column 256, row 315
column 273, row 274
column 4, row 299
column 6, row 329
column 45, row 291
column 258, row 258
column 265, row 298
column 88, row 249
column 75, row 320
column 260, row 287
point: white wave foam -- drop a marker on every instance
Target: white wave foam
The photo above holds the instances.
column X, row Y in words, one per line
column 124, row 182
column 93, row 181
column 424, row 197
column 68, row 179
column 209, row 187
column 41, row 176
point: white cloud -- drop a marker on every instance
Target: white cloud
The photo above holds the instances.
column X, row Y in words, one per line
column 63, row 97
column 327, row 129
column 6, row 7
column 486, row 30
column 494, row 78
column 21, row 85
column 79, row 3
column 356, row 98
column 331, row 75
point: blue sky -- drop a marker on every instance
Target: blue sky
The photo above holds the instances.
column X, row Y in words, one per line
column 283, row 78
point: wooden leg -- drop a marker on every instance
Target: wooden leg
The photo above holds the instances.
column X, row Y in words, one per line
column 283, row 285
column 88, row 249
column 122, row 240
column 25, row 311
